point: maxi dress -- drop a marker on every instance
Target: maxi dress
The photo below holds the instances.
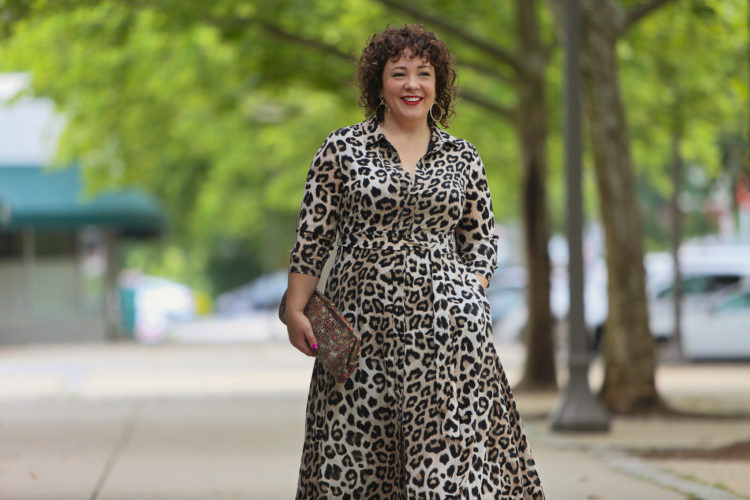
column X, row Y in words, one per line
column 428, row 412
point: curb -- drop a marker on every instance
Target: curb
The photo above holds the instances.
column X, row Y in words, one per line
column 642, row 470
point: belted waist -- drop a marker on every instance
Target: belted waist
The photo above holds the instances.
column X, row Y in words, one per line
column 398, row 240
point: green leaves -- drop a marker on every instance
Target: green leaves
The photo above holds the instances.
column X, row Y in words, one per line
column 683, row 74
column 218, row 107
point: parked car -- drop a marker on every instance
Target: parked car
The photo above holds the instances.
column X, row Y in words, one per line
column 262, row 294
column 707, row 272
column 697, row 292
column 721, row 330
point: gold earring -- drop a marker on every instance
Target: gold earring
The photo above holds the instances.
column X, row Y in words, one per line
column 387, row 109
column 441, row 111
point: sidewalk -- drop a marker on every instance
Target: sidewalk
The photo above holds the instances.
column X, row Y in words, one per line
column 125, row 421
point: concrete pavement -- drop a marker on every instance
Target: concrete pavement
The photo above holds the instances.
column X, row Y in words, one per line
column 123, row 421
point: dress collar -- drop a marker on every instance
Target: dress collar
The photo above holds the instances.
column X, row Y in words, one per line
column 439, row 137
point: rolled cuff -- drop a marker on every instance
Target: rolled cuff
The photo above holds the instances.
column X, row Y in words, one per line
column 309, row 254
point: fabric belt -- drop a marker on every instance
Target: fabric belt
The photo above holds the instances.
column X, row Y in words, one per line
column 398, row 240
column 458, row 423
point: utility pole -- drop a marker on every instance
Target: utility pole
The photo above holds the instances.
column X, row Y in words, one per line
column 676, row 339
column 579, row 409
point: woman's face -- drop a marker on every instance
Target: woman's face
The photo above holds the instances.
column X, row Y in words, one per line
column 408, row 89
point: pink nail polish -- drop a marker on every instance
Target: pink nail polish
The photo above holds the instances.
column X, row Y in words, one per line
column 315, row 346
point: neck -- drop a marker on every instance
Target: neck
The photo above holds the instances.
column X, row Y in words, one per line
column 416, row 128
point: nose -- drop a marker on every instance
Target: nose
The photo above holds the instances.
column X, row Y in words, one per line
column 411, row 82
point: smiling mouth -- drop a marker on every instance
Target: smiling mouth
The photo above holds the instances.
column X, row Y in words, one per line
column 412, row 100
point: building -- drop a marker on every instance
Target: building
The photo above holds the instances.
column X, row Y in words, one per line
column 59, row 251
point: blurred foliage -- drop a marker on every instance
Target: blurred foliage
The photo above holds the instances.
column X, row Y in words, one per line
column 218, row 107
column 684, row 77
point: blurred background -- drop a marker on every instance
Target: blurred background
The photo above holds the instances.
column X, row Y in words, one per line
column 152, row 163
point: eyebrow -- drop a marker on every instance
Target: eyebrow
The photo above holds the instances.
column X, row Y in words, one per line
column 419, row 67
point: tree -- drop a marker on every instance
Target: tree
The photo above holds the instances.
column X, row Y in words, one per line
column 682, row 102
column 217, row 107
column 186, row 110
column 629, row 384
column 539, row 370
column 139, row 105
column 674, row 104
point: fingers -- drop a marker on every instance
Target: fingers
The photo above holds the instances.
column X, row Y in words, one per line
column 303, row 339
column 303, row 347
column 311, row 341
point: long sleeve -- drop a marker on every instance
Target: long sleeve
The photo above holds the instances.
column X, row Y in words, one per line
column 319, row 214
column 475, row 233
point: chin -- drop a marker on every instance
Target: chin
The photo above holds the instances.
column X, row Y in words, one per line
column 414, row 117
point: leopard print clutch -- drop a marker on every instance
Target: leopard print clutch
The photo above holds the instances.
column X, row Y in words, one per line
column 338, row 343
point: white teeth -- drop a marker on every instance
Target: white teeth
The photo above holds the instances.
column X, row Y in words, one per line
column 412, row 99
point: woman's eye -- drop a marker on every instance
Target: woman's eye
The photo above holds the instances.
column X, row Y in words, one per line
column 398, row 74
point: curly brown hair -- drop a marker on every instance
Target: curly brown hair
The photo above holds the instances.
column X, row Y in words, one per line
column 391, row 44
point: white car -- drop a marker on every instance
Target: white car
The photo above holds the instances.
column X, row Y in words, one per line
column 722, row 330
column 698, row 290
column 262, row 294
column 706, row 272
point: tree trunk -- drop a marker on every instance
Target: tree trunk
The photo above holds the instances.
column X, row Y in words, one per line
column 530, row 119
column 629, row 384
column 539, row 370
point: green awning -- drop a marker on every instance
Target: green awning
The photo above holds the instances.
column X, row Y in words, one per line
column 38, row 198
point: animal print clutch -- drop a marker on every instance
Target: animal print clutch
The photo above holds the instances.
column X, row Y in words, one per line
column 338, row 343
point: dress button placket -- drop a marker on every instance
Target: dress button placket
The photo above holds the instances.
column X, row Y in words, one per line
column 411, row 197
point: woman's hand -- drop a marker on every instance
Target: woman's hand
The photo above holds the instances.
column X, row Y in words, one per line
column 300, row 332
column 299, row 290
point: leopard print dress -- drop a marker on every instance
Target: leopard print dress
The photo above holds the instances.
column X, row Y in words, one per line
column 428, row 412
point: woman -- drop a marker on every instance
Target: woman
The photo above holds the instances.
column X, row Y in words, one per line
column 428, row 412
